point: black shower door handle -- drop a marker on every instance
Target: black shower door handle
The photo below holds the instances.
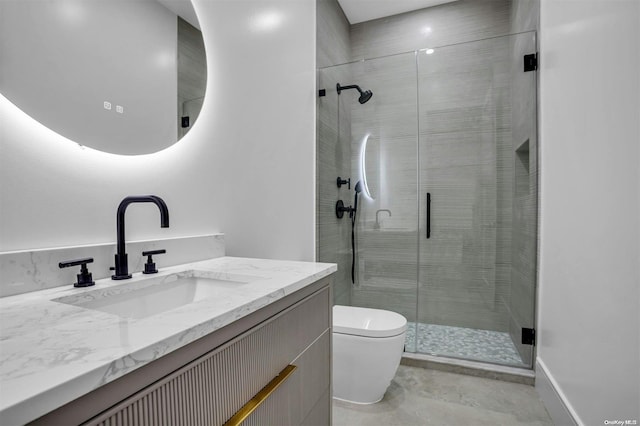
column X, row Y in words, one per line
column 428, row 215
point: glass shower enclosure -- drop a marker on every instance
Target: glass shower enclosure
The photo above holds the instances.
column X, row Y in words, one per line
column 446, row 227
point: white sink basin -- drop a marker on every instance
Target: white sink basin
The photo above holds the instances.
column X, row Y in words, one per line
column 151, row 296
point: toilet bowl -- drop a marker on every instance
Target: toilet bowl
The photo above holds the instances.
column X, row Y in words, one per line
column 367, row 347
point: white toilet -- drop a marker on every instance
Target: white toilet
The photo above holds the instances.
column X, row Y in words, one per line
column 367, row 347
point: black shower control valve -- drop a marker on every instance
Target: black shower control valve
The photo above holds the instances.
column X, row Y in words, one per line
column 341, row 209
column 150, row 267
column 84, row 278
column 341, row 182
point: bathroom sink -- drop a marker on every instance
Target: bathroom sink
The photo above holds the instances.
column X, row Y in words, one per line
column 151, row 296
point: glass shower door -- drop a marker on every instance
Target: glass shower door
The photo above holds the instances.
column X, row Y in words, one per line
column 384, row 151
column 477, row 200
column 373, row 143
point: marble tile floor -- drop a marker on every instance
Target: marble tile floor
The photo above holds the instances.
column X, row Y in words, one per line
column 465, row 343
column 423, row 397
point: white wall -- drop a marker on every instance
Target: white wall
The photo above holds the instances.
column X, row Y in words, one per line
column 589, row 326
column 245, row 169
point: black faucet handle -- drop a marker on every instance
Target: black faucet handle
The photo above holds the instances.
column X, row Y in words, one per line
column 85, row 279
column 150, row 266
column 83, row 261
column 152, row 252
column 341, row 182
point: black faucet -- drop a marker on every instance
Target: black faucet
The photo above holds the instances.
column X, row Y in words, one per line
column 122, row 267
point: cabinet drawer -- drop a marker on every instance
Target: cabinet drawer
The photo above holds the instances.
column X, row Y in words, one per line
column 210, row 389
column 294, row 402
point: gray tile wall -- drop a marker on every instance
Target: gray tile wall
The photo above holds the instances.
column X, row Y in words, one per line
column 192, row 73
column 465, row 154
column 332, row 34
column 525, row 17
column 465, row 159
column 457, row 22
column 333, row 148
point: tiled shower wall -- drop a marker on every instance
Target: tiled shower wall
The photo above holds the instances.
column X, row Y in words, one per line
column 474, row 295
column 525, row 15
column 192, row 74
column 333, row 150
column 465, row 163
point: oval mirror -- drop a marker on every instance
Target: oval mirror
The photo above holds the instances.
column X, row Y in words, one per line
column 120, row 76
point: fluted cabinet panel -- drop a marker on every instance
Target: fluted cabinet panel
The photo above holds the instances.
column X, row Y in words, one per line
column 214, row 387
column 294, row 401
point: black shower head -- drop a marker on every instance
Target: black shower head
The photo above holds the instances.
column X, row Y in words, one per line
column 358, row 187
column 364, row 96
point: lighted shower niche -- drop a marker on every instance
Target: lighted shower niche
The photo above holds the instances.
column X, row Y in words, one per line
column 370, row 165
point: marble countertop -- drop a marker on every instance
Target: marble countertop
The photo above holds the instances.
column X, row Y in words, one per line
column 52, row 353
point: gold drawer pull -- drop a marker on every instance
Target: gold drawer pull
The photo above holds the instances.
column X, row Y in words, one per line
column 255, row 402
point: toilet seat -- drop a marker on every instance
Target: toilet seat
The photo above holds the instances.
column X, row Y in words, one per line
column 367, row 322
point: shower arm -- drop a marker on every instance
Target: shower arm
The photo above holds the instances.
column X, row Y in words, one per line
column 364, row 95
column 353, row 86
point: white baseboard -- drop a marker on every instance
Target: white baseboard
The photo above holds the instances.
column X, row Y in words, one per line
column 556, row 403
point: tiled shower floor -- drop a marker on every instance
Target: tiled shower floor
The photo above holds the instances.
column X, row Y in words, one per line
column 466, row 343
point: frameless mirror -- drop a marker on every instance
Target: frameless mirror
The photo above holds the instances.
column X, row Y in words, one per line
column 120, row 76
column 371, row 166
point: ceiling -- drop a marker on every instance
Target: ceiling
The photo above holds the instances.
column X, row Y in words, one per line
column 184, row 9
column 366, row 10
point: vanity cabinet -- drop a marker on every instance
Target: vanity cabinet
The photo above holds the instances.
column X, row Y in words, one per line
column 212, row 387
